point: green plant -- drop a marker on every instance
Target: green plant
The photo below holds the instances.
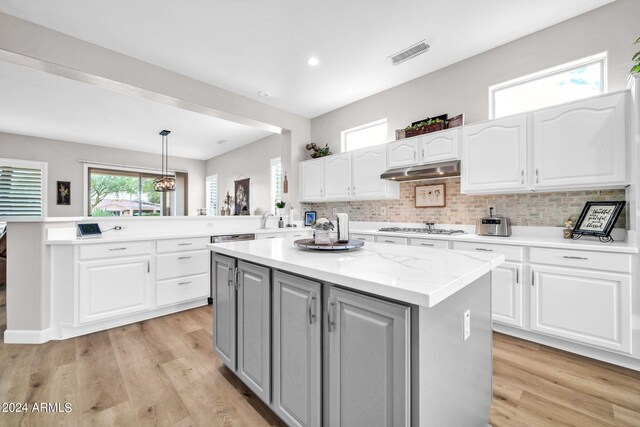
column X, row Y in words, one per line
column 636, row 60
column 318, row 151
column 280, row 204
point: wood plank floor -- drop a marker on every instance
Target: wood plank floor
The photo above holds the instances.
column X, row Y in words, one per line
column 162, row 372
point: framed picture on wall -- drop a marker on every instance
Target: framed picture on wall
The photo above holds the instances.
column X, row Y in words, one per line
column 430, row 196
column 63, row 193
column 597, row 219
column 242, row 197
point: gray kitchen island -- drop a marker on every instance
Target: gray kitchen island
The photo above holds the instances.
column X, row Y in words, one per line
column 383, row 335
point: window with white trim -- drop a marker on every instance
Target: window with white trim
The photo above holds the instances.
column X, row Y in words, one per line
column 212, row 195
column 23, row 188
column 366, row 135
column 568, row 82
column 275, row 192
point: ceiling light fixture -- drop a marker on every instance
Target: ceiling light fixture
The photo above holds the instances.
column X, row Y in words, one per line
column 313, row 61
column 167, row 182
column 264, row 93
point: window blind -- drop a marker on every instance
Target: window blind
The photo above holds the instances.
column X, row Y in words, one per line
column 20, row 191
column 276, row 183
column 212, row 194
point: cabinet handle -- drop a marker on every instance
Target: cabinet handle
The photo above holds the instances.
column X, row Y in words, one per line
column 423, row 153
column 312, row 308
column 297, row 235
column 575, row 257
column 533, row 278
column 185, row 244
column 229, row 278
column 427, row 244
column 517, row 276
column 148, row 266
column 270, row 237
column 414, row 154
column 484, row 250
column 183, row 283
column 237, row 277
column 332, row 322
column 537, row 176
column 354, row 191
column 389, row 241
column 185, row 257
column 118, row 249
column 522, row 176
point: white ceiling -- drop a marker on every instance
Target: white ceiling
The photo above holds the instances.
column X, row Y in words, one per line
column 247, row 46
column 40, row 104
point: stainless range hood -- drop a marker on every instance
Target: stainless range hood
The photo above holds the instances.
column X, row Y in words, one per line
column 415, row 173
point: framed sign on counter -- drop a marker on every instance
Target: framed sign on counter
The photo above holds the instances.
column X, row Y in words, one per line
column 597, row 219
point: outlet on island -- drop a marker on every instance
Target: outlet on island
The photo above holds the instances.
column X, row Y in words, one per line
column 467, row 324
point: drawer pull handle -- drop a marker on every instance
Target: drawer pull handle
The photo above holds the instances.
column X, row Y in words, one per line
column 183, row 283
column 484, row 250
column 271, row 237
column 427, row 244
column 184, row 257
column 297, row 235
column 575, row 257
column 118, row 249
column 389, row 241
column 185, row 244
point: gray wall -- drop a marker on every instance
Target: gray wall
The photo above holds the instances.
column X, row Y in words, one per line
column 463, row 87
column 62, row 158
column 250, row 161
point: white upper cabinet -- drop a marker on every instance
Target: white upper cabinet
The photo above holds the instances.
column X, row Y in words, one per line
column 494, row 156
column 337, row 176
column 439, row 146
column 367, row 165
column 402, row 153
column 581, row 145
column 312, row 179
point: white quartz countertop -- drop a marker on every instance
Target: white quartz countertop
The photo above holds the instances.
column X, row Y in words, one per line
column 114, row 237
column 414, row 275
column 584, row 244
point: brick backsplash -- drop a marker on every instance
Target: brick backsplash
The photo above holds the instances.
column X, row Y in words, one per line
column 530, row 209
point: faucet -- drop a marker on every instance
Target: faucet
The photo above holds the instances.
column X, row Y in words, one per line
column 263, row 219
column 429, row 225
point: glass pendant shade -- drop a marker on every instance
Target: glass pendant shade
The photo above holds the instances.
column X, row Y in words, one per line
column 167, row 182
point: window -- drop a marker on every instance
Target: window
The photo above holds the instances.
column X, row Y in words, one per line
column 22, row 188
column 373, row 133
column 275, row 194
column 212, row 195
column 115, row 192
column 568, row 82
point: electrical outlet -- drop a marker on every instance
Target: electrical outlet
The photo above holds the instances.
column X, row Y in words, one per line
column 383, row 211
column 467, row 324
column 335, row 211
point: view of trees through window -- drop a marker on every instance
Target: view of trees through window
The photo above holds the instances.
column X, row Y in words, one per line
column 122, row 193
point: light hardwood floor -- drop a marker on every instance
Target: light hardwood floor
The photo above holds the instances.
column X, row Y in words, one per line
column 162, row 372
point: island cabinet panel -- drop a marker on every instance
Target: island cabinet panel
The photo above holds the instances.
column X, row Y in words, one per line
column 114, row 287
column 369, row 361
column 254, row 328
column 224, row 309
column 296, row 350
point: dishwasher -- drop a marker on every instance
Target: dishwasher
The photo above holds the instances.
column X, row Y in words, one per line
column 220, row 239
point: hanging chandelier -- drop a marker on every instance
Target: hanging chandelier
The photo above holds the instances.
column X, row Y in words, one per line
column 167, row 182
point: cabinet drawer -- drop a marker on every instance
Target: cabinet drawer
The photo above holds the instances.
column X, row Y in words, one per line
column 512, row 253
column 582, row 259
column 363, row 237
column 182, row 264
column 428, row 243
column 175, row 245
column 110, row 250
column 175, row 291
column 262, row 236
column 391, row 239
column 302, row 234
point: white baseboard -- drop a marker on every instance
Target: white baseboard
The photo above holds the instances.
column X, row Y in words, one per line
column 27, row 336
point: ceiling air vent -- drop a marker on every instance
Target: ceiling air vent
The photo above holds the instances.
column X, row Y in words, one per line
column 410, row 52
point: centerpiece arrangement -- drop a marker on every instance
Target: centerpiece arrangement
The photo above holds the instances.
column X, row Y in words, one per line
column 322, row 231
column 318, row 151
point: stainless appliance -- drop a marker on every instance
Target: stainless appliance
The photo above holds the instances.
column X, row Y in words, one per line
column 220, row 239
column 431, row 171
column 493, row 226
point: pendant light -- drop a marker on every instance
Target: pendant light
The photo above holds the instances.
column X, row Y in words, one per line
column 166, row 183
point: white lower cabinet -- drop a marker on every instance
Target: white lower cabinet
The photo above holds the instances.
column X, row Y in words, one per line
column 429, row 243
column 506, row 294
column 392, row 239
column 369, row 361
column 175, row 291
column 363, row 237
column 223, row 270
column 589, row 307
column 297, row 354
column 114, row 287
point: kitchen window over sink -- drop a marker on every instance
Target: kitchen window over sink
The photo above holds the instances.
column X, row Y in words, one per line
column 567, row 82
column 363, row 136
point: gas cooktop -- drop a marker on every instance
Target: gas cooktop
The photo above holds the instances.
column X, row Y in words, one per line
column 421, row 230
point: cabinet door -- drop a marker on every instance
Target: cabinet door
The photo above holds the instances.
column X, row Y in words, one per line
column 224, row 309
column 312, row 180
column 590, row 307
column 368, row 361
column 581, row 145
column 114, row 287
column 254, row 329
column 296, row 350
column 506, row 294
column 366, row 167
column 337, row 176
column 439, row 146
column 402, row 153
column 494, row 156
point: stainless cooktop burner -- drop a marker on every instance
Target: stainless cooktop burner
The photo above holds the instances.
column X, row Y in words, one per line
column 421, row 230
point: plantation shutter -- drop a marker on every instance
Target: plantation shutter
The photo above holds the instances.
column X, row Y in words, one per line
column 212, row 194
column 20, row 191
column 276, row 182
